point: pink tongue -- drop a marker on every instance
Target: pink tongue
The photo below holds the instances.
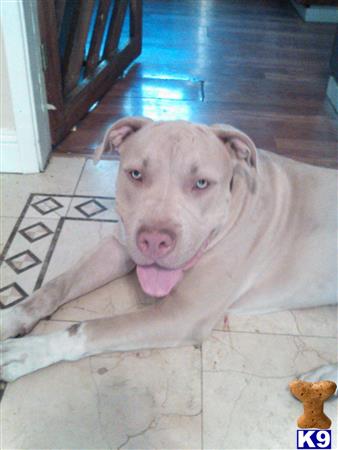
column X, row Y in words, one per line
column 158, row 282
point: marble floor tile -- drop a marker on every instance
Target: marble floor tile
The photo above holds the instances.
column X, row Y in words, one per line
column 6, row 228
column 320, row 321
column 61, row 177
column 143, row 400
column 98, row 179
column 78, row 237
column 246, row 400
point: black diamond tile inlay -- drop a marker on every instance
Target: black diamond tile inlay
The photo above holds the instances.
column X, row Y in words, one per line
column 11, row 294
column 23, row 261
column 91, row 208
column 35, row 232
column 46, row 205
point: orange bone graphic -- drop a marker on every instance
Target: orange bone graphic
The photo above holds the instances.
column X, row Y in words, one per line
column 313, row 396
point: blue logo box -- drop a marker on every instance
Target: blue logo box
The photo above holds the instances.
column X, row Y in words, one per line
column 315, row 439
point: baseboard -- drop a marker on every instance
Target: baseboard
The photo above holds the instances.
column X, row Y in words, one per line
column 317, row 13
column 9, row 153
column 332, row 92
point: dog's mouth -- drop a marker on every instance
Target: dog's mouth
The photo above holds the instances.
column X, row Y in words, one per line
column 158, row 281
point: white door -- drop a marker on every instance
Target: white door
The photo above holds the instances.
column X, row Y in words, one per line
column 26, row 144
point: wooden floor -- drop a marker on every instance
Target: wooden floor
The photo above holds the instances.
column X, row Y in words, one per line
column 254, row 64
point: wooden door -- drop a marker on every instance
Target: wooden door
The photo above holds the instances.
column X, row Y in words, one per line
column 86, row 45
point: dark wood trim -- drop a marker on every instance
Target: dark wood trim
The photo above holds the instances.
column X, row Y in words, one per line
column 77, row 46
column 52, row 72
column 308, row 3
column 334, row 58
column 95, row 46
column 135, row 23
column 70, row 96
column 59, row 12
column 67, row 32
column 89, row 92
column 115, row 28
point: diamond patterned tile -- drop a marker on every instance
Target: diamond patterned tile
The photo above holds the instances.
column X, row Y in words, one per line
column 91, row 208
column 46, row 205
column 23, row 261
column 35, row 232
column 11, row 294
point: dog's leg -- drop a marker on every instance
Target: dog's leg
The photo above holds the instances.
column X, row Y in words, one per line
column 327, row 372
column 185, row 317
column 167, row 323
column 105, row 263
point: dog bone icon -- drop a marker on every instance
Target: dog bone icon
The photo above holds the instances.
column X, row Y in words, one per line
column 313, row 396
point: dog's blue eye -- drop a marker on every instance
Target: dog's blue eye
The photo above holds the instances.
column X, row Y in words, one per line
column 136, row 175
column 202, row 184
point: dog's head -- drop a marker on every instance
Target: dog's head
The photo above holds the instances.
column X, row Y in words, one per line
column 174, row 191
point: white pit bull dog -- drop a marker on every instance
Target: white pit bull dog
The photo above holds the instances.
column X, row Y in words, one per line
column 211, row 224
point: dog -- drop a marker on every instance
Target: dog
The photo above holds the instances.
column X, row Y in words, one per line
column 211, row 224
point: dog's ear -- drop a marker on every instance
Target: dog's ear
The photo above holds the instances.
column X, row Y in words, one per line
column 238, row 143
column 242, row 149
column 118, row 132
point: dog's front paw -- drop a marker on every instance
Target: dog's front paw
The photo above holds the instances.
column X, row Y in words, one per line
column 18, row 357
column 14, row 322
column 326, row 372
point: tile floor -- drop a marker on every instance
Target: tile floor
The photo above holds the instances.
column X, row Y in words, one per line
column 232, row 393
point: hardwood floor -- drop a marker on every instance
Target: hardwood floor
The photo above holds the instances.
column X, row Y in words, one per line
column 254, row 64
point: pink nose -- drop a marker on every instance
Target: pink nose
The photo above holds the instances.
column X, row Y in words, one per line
column 156, row 244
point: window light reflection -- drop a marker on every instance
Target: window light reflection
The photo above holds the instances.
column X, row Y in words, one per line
column 153, row 91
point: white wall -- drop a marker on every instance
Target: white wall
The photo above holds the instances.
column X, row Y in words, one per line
column 6, row 110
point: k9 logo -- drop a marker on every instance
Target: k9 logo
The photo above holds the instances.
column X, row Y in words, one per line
column 313, row 439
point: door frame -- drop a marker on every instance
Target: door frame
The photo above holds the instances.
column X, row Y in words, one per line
column 25, row 150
